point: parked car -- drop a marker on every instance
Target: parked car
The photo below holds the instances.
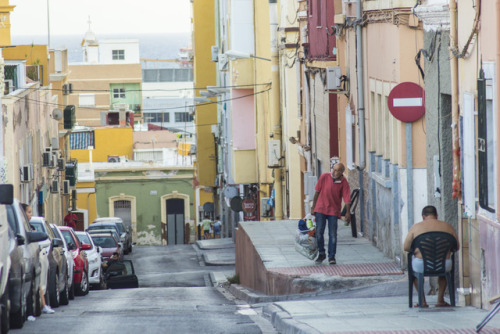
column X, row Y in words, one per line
column 108, row 243
column 5, row 235
column 57, row 289
column 81, row 269
column 96, row 277
column 121, row 275
column 24, row 275
column 109, row 231
column 125, row 233
column 70, row 263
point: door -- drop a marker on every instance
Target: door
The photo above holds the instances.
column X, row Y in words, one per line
column 175, row 221
column 123, row 209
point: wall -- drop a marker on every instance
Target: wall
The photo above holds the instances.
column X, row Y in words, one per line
column 147, row 191
column 108, row 141
column 34, row 55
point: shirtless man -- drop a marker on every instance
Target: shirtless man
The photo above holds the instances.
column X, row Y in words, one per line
column 430, row 223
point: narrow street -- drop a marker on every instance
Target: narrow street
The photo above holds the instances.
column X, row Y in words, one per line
column 175, row 296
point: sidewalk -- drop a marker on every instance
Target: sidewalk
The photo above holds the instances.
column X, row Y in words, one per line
column 271, row 270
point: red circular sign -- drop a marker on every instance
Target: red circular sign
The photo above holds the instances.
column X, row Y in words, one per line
column 248, row 205
column 406, row 102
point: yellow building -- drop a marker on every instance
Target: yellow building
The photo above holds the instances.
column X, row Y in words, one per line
column 5, row 10
column 206, row 113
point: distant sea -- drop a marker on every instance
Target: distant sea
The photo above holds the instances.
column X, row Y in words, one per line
column 152, row 46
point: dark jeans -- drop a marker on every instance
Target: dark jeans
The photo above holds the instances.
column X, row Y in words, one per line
column 321, row 220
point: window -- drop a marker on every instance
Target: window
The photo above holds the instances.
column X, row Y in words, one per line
column 486, row 137
column 118, row 54
column 156, row 117
column 119, row 93
column 86, row 100
column 183, row 117
column 81, row 140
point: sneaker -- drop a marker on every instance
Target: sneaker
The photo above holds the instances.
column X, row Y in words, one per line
column 332, row 260
column 320, row 258
column 47, row 309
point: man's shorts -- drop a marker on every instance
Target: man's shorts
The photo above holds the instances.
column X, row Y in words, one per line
column 418, row 265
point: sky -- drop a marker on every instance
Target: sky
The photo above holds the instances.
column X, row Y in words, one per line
column 107, row 16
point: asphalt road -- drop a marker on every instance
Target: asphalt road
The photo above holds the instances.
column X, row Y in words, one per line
column 174, row 297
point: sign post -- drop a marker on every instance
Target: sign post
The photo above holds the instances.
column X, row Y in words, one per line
column 406, row 103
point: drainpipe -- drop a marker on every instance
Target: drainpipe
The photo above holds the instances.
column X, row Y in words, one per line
column 454, row 101
column 361, row 112
column 275, row 105
column 361, row 101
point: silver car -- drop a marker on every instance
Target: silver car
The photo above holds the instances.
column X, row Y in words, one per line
column 69, row 260
column 96, row 277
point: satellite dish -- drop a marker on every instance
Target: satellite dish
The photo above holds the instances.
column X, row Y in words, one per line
column 57, row 114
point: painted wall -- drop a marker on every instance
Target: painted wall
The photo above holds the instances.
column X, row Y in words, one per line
column 97, row 79
column 147, row 192
column 108, row 141
column 204, row 75
column 34, row 55
column 243, row 120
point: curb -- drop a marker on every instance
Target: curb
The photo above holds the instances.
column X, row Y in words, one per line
column 284, row 323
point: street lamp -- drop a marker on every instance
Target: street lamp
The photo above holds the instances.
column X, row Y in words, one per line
column 242, row 55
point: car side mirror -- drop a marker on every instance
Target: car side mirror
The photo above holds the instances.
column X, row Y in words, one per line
column 6, row 193
column 99, row 249
column 86, row 246
column 20, row 239
column 36, row 236
column 56, row 242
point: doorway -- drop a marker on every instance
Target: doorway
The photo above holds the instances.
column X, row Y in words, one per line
column 175, row 221
column 123, row 209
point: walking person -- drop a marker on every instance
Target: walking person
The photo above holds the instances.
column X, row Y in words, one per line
column 70, row 219
column 217, row 227
column 331, row 189
column 207, row 225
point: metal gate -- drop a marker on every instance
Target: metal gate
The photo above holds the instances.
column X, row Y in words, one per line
column 123, row 209
column 175, row 221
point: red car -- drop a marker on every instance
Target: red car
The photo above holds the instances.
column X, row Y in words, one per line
column 81, row 269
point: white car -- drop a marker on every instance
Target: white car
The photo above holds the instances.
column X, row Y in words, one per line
column 96, row 276
column 69, row 260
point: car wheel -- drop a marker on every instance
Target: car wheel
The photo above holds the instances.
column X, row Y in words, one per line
column 64, row 296
column 83, row 288
column 53, row 291
column 5, row 303
column 102, row 282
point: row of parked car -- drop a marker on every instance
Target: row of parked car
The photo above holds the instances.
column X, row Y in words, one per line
column 75, row 261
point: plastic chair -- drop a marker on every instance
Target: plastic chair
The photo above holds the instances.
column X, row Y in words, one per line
column 434, row 247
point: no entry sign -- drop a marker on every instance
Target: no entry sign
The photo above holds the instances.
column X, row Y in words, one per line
column 406, row 102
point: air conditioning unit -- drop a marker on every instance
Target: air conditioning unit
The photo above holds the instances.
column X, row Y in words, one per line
column 54, row 187
column 113, row 158
column 66, row 188
column 265, row 208
column 53, row 161
column 333, row 75
column 274, row 153
column 61, row 164
column 46, row 159
column 27, row 173
column 54, row 143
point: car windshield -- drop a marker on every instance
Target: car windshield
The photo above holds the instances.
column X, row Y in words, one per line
column 38, row 226
column 120, row 228
column 69, row 239
column 104, row 242
column 84, row 239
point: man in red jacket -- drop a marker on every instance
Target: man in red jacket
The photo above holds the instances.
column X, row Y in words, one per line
column 70, row 219
column 330, row 190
